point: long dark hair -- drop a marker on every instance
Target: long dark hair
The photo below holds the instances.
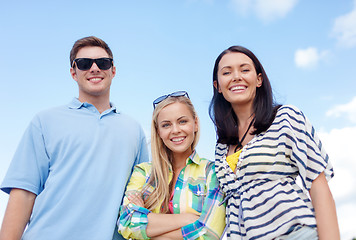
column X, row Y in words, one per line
column 222, row 114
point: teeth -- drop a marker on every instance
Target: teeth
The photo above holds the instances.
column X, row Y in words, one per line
column 95, row 79
column 177, row 139
column 238, row 88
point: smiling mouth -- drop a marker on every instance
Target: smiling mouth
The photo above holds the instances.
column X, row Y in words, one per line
column 238, row 88
column 177, row 139
column 95, row 80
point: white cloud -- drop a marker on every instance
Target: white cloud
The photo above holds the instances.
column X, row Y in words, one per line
column 243, row 7
column 344, row 28
column 339, row 143
column 309, row 58
column 347, row 221
column 269, row 10
column 266, row 10
column 347, row 110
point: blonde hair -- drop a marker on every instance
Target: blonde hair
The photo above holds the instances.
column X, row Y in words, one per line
column 162, row 157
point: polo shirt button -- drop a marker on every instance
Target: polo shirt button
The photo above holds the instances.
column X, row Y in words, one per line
column 177, row 188
column 175, row 205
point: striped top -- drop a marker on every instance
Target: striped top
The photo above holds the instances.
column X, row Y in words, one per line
column 263, row 198
column 196, row 191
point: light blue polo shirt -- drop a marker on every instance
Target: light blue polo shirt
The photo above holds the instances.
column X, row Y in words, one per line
column 77, row 161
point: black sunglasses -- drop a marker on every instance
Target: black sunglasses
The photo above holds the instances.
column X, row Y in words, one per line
column 85, row 64
column 175, row 94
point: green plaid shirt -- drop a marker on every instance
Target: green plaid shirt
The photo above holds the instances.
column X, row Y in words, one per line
column 196, row 191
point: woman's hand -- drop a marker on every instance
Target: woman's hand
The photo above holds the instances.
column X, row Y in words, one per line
column 136, row 198
column 189, row 218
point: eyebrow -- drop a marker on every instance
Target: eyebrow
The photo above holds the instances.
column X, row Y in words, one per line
column 241, row 65
column 168, row 121
column 182, row 117
column 164, row 121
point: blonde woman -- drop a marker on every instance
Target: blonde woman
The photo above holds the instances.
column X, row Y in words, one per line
column 177, row 195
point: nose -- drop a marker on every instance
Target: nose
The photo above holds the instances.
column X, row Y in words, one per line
column 175, row 128
column 94, row 68
column 236, row 76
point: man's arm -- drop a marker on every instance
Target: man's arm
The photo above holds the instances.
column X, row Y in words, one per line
column 17, row 214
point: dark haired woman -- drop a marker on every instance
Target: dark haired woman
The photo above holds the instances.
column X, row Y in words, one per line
column 261, row 149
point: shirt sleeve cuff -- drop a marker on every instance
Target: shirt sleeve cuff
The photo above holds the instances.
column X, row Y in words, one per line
column 133, row 222
column 193, row 230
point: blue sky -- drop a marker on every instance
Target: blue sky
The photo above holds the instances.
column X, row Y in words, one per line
column 307, row 48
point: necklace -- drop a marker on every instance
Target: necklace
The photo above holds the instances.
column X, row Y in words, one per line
column 239, row 145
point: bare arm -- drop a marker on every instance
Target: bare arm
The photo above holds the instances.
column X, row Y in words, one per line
column 17, row 214
column 325, row 210
column 159, row 224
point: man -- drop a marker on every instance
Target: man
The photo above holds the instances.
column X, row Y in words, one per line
column 68, row 175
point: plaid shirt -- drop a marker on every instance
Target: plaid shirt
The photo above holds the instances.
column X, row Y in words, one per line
column 196, row 191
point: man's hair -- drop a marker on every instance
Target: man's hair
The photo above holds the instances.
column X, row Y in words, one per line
column 88, row 42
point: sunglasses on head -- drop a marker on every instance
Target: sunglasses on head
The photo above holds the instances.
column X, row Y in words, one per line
column 85, row 64
column 175, row 94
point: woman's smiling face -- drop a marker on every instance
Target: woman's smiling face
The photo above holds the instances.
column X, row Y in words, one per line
column 177, row 127
column 237, row 79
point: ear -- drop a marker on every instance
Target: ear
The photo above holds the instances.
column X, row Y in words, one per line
column 113, row 71
column 216, row 86
column 259, row 80
column 73, row 74
column 196, row 124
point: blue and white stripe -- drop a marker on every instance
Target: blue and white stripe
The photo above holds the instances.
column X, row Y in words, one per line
column 264, row 200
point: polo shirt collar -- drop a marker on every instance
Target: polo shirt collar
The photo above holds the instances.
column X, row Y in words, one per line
column 76, row 104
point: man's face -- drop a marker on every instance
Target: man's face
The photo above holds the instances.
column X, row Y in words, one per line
column 93, row 83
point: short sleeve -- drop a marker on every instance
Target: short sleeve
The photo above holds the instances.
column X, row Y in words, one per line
column 132, row 222
column 307, row 150
column 211, row 223
column 29, row 167
column 142, row 155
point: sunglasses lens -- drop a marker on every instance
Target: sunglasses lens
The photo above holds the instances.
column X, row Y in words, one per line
column 160, row 99
column 175, row 94
column 179, row 94
column 104, row 63
column 84, row 63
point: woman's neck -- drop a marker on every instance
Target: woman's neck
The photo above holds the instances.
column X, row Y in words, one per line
column 179, row 160
column 244, row 115
column 245, row 118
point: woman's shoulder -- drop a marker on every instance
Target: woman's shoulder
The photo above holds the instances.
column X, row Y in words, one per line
column 144, row 167
column 291, row 117
column 289, row 112
column 289, row 109
column 205, row 162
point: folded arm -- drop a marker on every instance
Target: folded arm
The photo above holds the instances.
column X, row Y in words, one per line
column 159, row 224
